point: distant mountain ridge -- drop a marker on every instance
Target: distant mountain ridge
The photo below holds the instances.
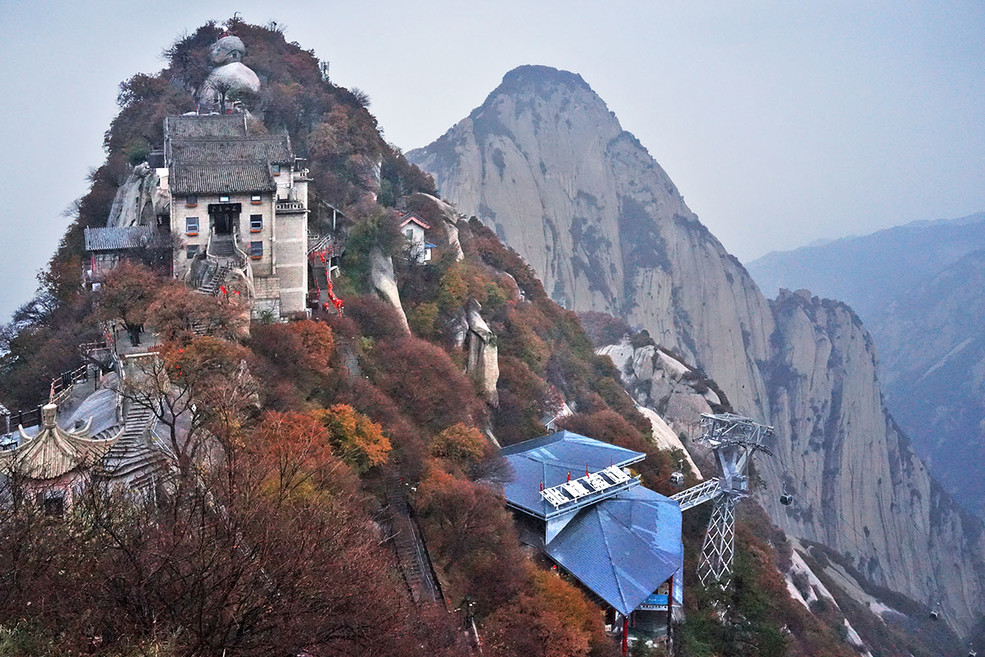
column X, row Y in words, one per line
column 546, row 164
column 920, row 289
column 867, row 272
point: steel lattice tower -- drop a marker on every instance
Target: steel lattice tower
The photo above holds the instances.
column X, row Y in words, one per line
column 734, row 439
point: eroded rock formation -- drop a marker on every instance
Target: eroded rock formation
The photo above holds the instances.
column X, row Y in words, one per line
column 483, row 359
column 139, row 200
column 231, row 78
column 385, row 282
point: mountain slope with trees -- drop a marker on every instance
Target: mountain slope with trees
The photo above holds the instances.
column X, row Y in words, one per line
column 301, row 435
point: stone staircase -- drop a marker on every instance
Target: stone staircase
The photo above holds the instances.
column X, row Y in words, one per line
column 133, row 460
column 213, row 279
column 412, row 555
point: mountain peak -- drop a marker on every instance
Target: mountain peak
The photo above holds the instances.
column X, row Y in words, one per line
column 537, row 75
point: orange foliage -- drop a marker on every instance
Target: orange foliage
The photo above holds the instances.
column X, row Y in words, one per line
column 357, row 440
column 296, row 456
column 529, row 628
column 460, row 444
column 317, row 341
column 568, row 603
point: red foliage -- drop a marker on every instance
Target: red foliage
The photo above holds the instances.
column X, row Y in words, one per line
column 375, row 318
column 472, row 538
column 424, row 382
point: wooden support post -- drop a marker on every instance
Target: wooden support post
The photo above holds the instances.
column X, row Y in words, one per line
column 625, row 634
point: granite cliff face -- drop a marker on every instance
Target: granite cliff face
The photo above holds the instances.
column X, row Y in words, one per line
column 859, row 487
column 547, row 165
column 919, row 290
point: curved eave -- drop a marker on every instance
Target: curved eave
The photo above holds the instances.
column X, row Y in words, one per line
column 55, row 452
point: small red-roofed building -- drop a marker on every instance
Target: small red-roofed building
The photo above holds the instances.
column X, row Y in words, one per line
column 418, row 248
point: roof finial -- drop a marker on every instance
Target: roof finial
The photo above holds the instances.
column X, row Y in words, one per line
column 48, row 412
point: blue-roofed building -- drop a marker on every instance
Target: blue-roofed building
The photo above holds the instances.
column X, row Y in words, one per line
column 577, row 500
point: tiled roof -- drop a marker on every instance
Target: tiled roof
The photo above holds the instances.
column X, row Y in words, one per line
column 117, row 239
column 221, row 178
column 260, row 149
column 214, row 154
column 212, row 125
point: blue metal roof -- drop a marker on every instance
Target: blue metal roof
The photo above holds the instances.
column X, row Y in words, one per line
column 550, row 459
column 622, row 548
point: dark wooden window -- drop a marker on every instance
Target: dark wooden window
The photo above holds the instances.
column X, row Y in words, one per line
column 54, row 505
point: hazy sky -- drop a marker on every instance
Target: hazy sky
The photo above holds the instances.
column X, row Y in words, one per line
column 780, row 122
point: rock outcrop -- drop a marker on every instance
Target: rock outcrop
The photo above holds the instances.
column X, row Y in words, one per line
column 139, row 200
column 920, row 290
column 483, row 354
column 858, row 486
column 385, row 282
column 545, row 164
column 230, row 79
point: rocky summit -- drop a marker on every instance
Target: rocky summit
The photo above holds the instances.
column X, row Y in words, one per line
column 546, row 164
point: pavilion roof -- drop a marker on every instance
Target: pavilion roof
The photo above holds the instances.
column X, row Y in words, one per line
column 53, row 451
column 621, row 540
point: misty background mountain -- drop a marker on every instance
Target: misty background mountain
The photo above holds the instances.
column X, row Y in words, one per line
column 546, row 164
column 920, row 290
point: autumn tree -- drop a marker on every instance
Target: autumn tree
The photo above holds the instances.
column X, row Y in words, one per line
column 198, row 389
column 125, row 295
column 424, row 381
column 177, row 310
column 294, row 360
column 357, row 440
column 471, row 537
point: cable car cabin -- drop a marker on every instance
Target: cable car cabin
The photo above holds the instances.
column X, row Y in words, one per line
column 786, row 499
column 677, row 478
